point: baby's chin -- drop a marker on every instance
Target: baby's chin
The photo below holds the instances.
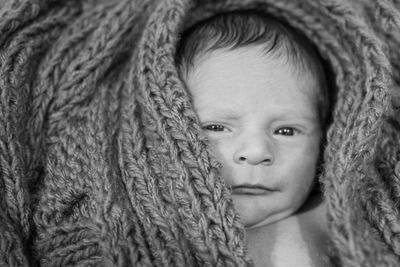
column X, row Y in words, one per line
column 254, row 219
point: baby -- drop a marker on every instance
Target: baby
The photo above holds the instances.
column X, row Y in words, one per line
column 261, row 95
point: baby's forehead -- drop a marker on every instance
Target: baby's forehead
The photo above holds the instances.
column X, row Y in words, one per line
column 248, row 66
column 224, row 58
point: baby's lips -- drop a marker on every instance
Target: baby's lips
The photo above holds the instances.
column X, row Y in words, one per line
column 247, row 189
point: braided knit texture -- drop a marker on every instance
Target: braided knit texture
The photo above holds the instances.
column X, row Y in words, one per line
column 103, row 161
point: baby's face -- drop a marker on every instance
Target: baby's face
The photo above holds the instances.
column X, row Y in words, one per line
column 262, row 122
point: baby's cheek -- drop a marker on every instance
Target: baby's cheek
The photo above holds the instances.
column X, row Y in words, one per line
column 216, row 149
column 303, row 186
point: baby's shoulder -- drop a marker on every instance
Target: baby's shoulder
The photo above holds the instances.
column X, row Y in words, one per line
column 299, row 240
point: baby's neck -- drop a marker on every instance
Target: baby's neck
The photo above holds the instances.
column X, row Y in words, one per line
column 298, row 240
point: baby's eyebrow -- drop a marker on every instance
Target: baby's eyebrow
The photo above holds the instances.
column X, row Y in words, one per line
column 223, row 113
column 229, row 116
column 297, row 116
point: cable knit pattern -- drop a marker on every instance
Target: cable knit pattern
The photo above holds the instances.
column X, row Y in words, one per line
column 103, row 161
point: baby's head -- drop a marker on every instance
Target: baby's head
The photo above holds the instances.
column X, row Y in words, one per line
column 259, row 91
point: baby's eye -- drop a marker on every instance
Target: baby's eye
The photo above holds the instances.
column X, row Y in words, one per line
column 214, row 128
column 286, row 131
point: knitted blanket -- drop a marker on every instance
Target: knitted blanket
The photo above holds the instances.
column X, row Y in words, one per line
column 102, row 159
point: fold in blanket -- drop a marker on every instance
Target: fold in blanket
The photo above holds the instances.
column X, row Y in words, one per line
column 102, row 159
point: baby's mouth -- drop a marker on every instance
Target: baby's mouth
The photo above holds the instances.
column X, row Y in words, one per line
column 248, row 189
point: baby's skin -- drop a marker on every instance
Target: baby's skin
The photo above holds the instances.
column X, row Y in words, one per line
column 260, row 115
column 300, row 240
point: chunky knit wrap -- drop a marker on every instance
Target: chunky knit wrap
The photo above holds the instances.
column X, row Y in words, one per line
column 102, row 160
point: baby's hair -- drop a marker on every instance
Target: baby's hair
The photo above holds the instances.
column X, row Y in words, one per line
column 244, row 28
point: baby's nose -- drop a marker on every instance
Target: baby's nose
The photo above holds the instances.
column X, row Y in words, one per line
column 256, row 149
